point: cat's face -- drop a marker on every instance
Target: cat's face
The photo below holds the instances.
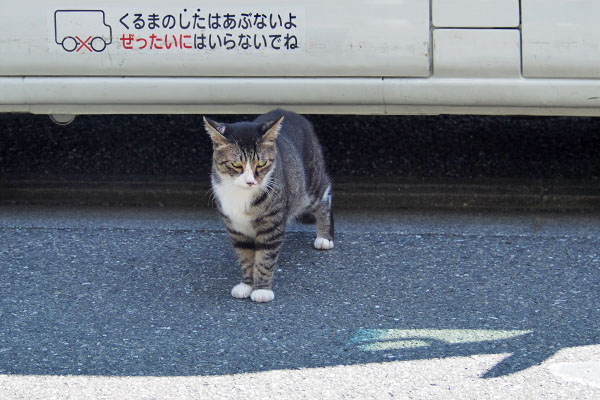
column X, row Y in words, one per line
column 244, row 152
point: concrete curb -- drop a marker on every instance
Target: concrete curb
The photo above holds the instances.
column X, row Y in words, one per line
column 492, row 195
column 361, row 193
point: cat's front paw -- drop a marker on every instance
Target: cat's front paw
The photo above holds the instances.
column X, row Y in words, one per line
column 323, row 244
column 241, row 291
column 262, row 295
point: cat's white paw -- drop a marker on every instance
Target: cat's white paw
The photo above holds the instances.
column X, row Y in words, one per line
column 241, row 291
column 323, row 244
column 262, row 295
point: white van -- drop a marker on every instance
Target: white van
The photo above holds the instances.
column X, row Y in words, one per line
column 539, row 57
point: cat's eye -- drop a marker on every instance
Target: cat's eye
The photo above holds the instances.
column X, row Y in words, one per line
column 236, row 165
column 262, row 163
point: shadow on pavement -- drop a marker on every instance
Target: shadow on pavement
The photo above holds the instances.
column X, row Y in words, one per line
column 130, row 302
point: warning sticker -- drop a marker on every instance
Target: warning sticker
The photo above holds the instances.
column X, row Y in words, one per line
column 81, row 30
column 189, row 30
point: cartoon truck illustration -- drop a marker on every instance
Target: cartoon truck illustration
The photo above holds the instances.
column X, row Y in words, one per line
column 86, row 30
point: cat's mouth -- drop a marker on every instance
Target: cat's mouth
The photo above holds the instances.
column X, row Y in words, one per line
column 248, row 186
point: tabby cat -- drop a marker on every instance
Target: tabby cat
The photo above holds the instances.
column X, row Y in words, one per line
column 264, row 173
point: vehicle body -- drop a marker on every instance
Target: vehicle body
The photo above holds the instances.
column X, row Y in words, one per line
column 535, row 57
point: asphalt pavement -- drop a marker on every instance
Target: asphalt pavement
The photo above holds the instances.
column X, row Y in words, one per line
column 413, row 301
column 134, row 303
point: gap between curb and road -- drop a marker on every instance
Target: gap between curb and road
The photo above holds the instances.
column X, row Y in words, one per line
column 348, row 193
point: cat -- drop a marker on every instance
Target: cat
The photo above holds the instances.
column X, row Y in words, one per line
column 265, row 173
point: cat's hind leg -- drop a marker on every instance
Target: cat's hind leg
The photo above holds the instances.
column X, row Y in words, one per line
column 324, row 216
column 323, row 244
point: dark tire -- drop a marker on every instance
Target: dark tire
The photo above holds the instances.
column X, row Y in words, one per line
column 98, row 44
column 69, row 43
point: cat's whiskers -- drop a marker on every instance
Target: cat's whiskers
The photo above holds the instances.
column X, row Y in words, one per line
column 212, row 197
column 270, row 186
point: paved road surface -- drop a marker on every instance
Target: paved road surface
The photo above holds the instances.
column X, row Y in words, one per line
column 134, row 303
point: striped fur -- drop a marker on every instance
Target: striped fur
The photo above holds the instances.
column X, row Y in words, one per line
column 264, row 173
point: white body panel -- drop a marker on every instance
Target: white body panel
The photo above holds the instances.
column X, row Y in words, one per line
column 475, row 13
column 264, row 38
column 357, row 56
column 477, row 53
column 561, row 38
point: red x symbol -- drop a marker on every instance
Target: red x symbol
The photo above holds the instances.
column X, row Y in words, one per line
column 84, row 43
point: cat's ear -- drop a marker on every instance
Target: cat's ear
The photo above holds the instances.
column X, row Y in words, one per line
column 216, row 131
column 271, row 130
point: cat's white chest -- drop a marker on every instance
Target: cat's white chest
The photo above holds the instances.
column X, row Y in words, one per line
column 235, row 201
